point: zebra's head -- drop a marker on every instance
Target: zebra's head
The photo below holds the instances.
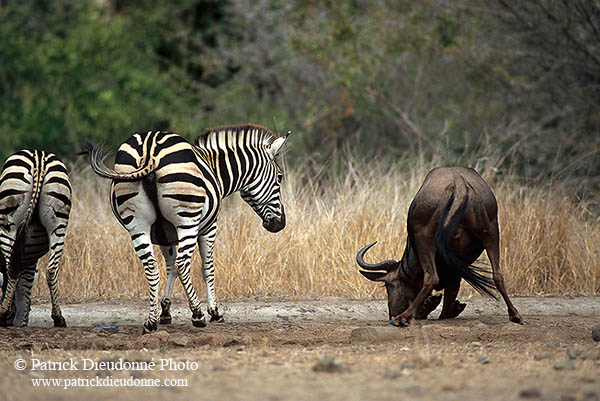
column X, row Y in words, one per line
column 263, row 191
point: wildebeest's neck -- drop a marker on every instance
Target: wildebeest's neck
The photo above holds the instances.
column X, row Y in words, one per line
column 410, row 269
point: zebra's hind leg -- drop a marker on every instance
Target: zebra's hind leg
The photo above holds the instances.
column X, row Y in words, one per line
column 169, row 254
column 56, row 237
column 206, row 244
column 182, row 262
column 22, row 301
column 13, row 309
column 7, row 302
column 145, row 252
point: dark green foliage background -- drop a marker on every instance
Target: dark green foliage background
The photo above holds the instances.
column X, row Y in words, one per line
column 509, row 83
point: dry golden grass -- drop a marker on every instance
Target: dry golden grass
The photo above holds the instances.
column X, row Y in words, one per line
column 549, row 244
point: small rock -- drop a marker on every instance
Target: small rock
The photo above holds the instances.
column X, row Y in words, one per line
column 475, row 344
column 483, row 360
column 363, row 334
column 573, row 352
column 567, row 364
column 330, row 365
column 530, row 393
column 596, row 332
column 592, row 356
column 371, row 334
column 591, row 396
column 394, row 372
column 212, row 339
column 220, row 367
column 231, row 342
column 162, row 335
column 181, row 341
column 150, row 341
column 539, row 357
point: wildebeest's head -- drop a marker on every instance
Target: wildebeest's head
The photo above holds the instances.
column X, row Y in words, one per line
column 400, row 290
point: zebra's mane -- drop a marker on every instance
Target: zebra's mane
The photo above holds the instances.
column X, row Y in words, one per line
column 267, row 134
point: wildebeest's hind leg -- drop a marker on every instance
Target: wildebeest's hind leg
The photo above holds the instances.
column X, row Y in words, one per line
column 491, row 244
column 452, row 307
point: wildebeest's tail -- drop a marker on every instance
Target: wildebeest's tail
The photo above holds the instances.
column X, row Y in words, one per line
column 476, row 276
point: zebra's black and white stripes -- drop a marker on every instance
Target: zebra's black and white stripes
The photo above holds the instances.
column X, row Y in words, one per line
column 166, row 191
column 35, row 201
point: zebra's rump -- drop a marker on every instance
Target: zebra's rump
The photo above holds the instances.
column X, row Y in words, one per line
column 179, row 190
column 34, row 191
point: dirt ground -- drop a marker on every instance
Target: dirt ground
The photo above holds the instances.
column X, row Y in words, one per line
column 307, row 350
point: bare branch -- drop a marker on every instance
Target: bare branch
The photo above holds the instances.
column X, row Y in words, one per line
column 404, row 118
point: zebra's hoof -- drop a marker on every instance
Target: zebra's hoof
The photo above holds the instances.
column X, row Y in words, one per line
column 198, row 320
column 149, row 328
column 165, row 304
column 4, row 322
column 215, row 317
column 165, row 315
column 59, row 321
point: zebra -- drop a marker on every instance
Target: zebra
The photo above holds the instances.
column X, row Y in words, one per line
column 168, row 192
column 35, row 202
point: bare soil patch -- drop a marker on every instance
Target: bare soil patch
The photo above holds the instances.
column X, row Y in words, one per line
column 320, row 356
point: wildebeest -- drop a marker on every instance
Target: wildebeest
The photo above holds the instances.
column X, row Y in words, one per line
column 451, row 220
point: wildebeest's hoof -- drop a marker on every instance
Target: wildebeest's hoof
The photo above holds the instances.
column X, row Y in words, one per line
column 59, row 321
column 149, row 328
column 516, row 319
column 456, row 310
column 198, row 319
column 429, row 305
column 399, row 322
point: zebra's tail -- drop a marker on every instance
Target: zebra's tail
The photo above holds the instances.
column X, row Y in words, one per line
column 38, row 173
column 98, row 154
column 451, row 215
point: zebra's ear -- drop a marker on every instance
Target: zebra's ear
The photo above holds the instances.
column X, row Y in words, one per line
column 276, row 146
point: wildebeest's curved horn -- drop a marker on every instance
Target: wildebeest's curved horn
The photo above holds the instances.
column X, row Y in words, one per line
column 386, row 265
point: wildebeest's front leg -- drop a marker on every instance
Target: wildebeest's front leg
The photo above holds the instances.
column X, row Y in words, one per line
column 426, row 254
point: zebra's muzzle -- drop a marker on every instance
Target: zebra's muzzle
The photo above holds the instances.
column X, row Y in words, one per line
column 275, row 224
